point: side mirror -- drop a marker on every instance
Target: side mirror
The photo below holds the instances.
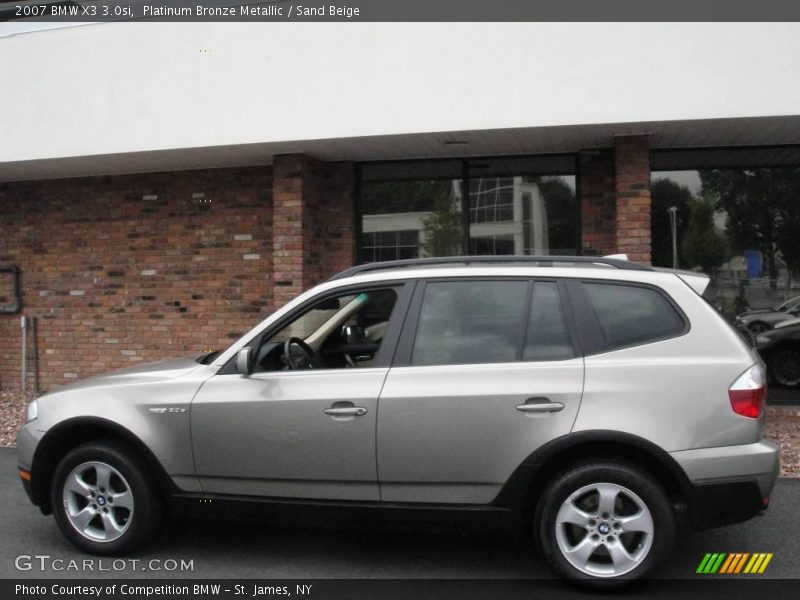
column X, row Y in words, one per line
column 244, row 361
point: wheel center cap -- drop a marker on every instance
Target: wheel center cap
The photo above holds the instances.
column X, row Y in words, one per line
column 603, row 528
column 101, row 500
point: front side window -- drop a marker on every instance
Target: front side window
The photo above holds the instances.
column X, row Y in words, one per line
column 630, row 315
column 344, row 331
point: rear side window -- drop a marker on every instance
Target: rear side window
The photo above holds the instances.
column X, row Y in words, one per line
column 473, row 322
column 467, row 322
column 547, row 337
column 629, row 315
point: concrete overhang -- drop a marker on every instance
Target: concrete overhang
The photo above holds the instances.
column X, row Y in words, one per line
column 733, row 142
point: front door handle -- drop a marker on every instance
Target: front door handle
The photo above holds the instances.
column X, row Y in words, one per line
column 348, row 411
column 539, row 405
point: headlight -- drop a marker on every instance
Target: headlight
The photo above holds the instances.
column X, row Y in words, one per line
column 763, row 340
column 33, row 411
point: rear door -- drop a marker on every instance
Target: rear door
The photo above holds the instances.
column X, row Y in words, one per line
column 486, row 372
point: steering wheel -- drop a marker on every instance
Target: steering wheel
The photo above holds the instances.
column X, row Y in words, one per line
column 311, row 357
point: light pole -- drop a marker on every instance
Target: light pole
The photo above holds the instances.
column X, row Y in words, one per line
column 673, row 222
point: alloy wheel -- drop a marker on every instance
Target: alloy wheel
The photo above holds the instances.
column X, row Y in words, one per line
column 98, row 501
column 604, row 530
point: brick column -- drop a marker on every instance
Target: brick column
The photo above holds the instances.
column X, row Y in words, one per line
column 632, row 187
column 289, row 211
column 334, row 228
column 313, row 225
column 598, row 203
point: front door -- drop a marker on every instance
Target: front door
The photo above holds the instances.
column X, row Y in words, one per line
column 302, row 424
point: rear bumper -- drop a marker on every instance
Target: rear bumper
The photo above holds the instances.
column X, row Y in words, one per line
column 725, row 503
column 729, row 484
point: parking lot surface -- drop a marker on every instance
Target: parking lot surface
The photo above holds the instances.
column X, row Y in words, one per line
column 219, row 549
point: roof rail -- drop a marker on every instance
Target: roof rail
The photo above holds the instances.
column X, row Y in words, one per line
column 542, row 261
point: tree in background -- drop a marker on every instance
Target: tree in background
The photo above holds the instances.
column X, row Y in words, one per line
column 702, row 245
column 763, row 211
column 442, row 228
column 666, row 193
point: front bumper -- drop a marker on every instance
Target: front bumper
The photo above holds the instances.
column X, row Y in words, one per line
column 729, row 484
column 28, row 438
column 26, row 483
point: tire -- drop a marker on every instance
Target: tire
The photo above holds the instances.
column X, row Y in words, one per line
column 104, row 499
column 785, row 367
column 641, row 523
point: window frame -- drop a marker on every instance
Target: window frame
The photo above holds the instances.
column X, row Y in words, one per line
column 588, row 323
column 408, row 335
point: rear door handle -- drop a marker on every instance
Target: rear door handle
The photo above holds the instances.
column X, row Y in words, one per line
column 349, row 411
column 539, row 405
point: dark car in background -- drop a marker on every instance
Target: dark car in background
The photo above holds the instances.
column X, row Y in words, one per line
column 780, row 349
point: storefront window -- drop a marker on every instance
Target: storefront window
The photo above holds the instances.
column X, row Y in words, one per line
column 742, row 228
column 522, row 206
column 513, row 206
column 738, row 225
column 409, row 210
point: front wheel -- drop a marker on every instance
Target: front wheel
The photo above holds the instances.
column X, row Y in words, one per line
column 603, row 525
column 104, row 499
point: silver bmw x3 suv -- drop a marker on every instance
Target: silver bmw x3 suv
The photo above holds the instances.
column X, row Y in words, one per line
column 597, row 402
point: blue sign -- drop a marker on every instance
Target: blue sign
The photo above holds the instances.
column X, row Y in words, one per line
column 755, row 263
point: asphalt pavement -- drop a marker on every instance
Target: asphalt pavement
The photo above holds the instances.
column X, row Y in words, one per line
column 220, row 549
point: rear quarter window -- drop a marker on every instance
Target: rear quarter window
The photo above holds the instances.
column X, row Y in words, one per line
column 630, row 315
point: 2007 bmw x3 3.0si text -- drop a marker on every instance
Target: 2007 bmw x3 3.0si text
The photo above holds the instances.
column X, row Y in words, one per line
column 594, row 401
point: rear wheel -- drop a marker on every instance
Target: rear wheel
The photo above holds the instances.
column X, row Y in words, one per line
column 785, row 366
column 104, row 499
column 604, row 524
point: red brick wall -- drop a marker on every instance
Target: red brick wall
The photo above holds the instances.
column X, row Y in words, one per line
column 115, row 279
column 134, row 268
column 288, row 241
column 332, row 224
column 598, row 203
column 314, row 231
column 615, row 199
column 632, row 180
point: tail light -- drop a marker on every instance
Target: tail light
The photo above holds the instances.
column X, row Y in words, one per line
column 749, row 392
